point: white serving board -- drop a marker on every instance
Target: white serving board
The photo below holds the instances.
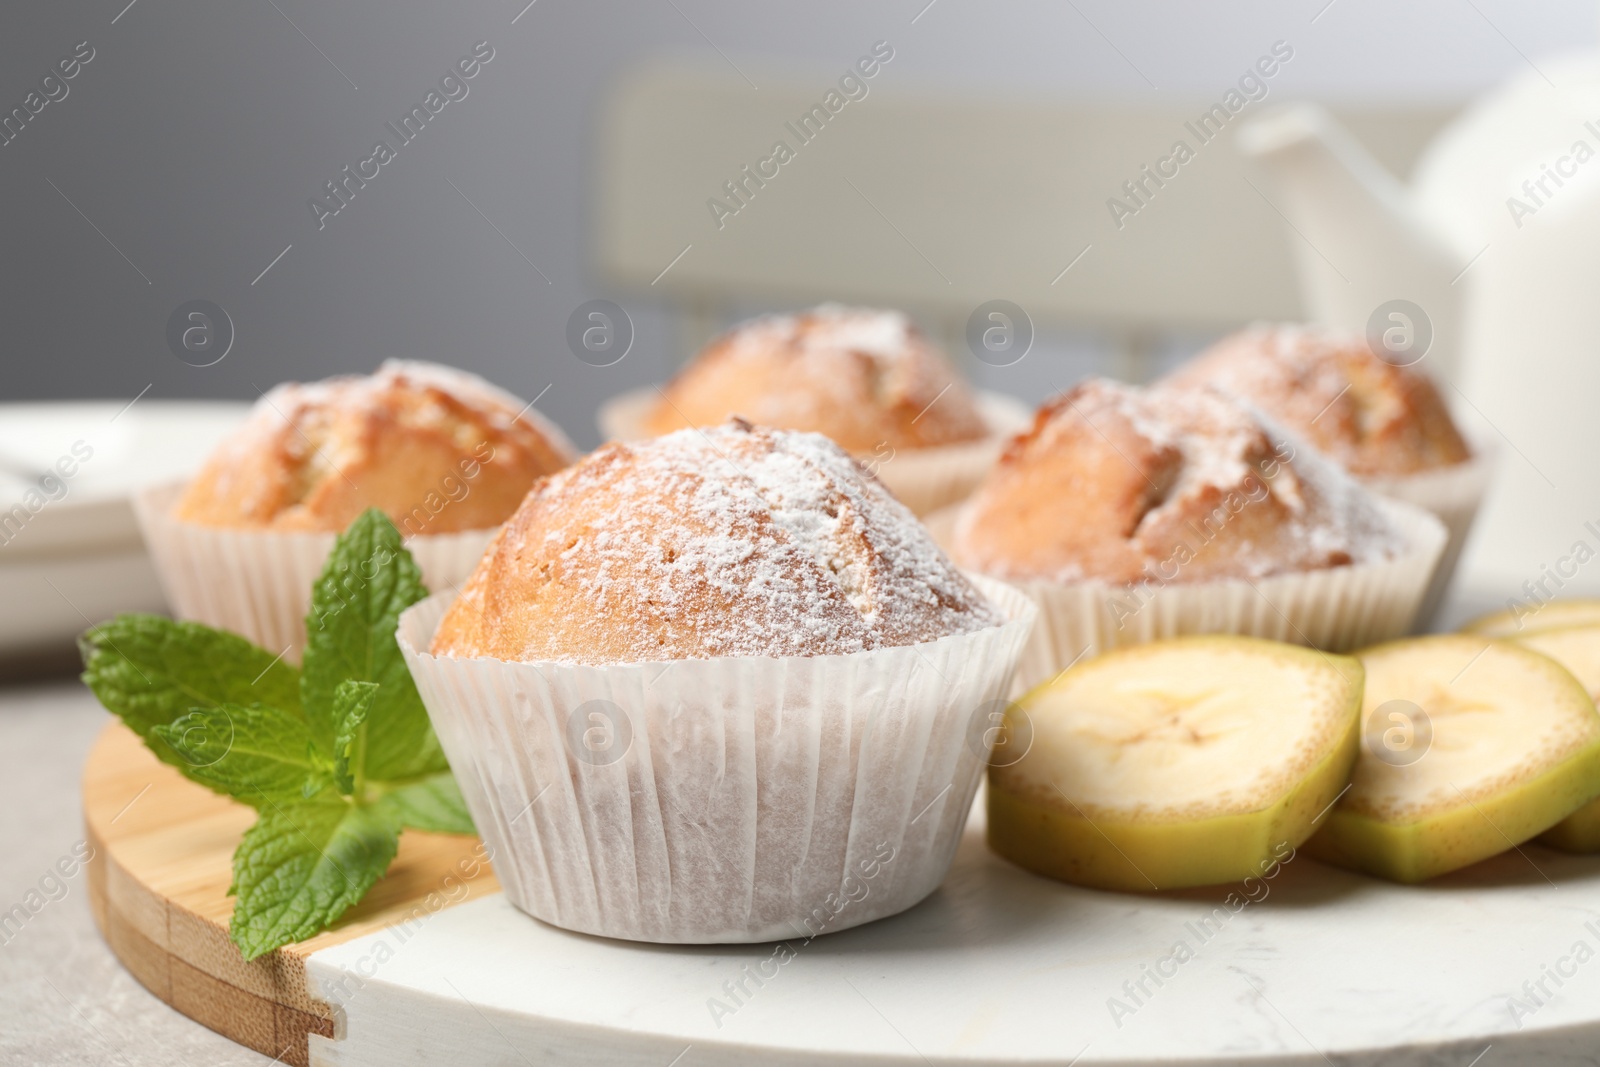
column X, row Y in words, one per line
column 1000, row 966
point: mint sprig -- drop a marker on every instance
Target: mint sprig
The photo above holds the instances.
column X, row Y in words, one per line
column 302, row 866
column 352, row 700
column 149, row 670
column 255, row 753
column 355, row 607
column 337, row 757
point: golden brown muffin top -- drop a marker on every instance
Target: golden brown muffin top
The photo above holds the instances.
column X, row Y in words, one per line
column 437, row 449
column 865, row 378
column 728, row 541
column 1331, row 389
column 1167, row 484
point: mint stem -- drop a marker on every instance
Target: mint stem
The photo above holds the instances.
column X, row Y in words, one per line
column 358, row 794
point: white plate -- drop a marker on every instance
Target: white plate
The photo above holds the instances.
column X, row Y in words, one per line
column 70, row 549
column 1306, row 967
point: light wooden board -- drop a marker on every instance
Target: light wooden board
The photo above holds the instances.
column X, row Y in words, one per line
column 158, row 883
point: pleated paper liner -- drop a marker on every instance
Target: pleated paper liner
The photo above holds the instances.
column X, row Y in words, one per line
column 739, row 799
column 923, row 479
column 257, row 583
column 1454, row 495
column 1335, row 609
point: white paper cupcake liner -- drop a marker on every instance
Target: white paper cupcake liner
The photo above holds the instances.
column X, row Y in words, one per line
column 1336, row 609
column 923, row 479
column 257, row 583
column 1454, row 494
column 740, row 799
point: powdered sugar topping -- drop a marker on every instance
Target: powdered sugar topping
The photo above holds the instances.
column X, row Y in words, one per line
column 882, row 335
column 732, row 541
column 1185, row 478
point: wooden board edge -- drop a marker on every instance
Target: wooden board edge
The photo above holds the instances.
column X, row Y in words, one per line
column 186, row 959
column 257, row 1022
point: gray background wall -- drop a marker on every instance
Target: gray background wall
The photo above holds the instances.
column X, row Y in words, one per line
column 181, row 161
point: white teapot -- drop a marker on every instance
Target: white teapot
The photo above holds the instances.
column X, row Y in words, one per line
column 1497, row 241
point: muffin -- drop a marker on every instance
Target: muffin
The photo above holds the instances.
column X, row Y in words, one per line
column 1386, row 425
column 859, row 376
column 313, row 457
column 729, row 542
column 739, row 674
column 444, row 454
column 1132, row 514
column 868, row 379
column 1374, row 419
column 1111, row 481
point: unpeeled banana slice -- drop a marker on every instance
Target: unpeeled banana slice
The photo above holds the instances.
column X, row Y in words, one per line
column 1188, row 762
column 1577, row 648
column 1470, row 746
column 1534, row 618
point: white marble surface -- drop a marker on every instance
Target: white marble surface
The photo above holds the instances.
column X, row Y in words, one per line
column 1002, row 966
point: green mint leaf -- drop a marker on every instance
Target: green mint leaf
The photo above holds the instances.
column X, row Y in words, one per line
column 302, row 866
column 369, row 580
column 149, row 670
column 432, row 804
column 352, row 700
column 255, row 754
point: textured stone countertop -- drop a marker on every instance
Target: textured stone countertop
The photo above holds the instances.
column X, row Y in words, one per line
column 64, row 998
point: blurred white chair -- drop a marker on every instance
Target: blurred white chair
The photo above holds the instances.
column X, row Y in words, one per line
column 936, row 203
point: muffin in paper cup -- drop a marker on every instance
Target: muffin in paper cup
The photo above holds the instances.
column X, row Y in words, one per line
column 1134, row 514
column 736, row 799
column 1453, row 494
column 923, row 479
column 1334, row 609
column 257, row 583
column 444, row 453
column 1370, row 408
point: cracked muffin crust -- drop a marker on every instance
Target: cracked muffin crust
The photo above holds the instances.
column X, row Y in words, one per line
column 1373, row 418
column 730, row 541
column 437, row 449
column 1123, row 485
column 862, row 377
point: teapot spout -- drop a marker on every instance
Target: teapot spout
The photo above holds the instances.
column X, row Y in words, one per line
column 1360, row 242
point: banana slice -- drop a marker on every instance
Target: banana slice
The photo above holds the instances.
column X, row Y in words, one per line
column 1179, row 763
column 1556, row 614
column 1577, row 649
column 1470, row 746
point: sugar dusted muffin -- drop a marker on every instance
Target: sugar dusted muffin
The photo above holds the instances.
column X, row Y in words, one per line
column 1124, row 485
column 703, row 681
column 1131, row 515
column 444, row 454
column 731, row 541
column 867, row 379
column 1387, row 425
column 1329, row 388
column 438, row 449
